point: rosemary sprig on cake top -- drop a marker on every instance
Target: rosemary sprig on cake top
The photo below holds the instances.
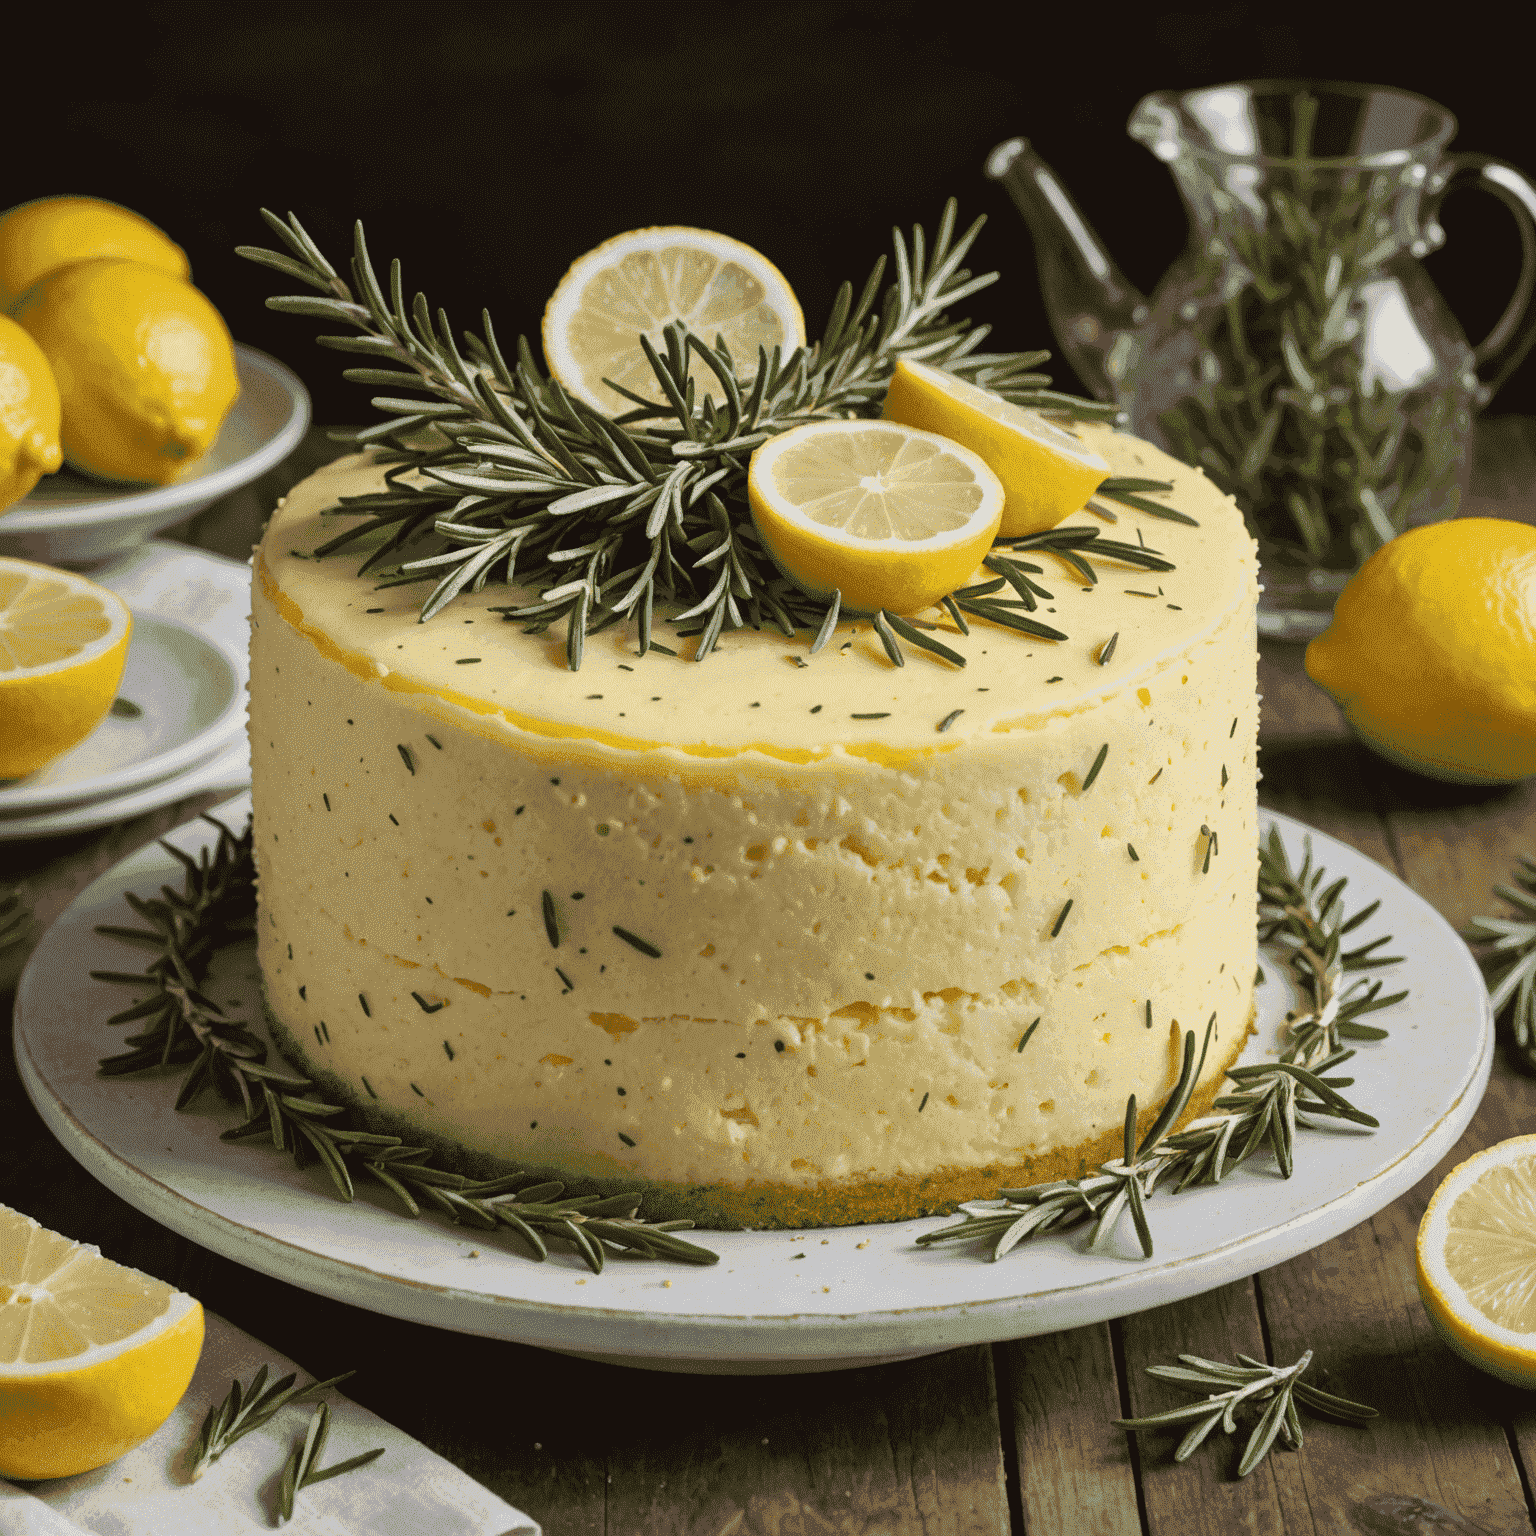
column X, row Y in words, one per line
column 498, row 473
column 182, row 1026
column 1305, row 921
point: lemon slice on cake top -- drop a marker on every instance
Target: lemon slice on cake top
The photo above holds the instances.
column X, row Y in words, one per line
column 889, row 516
column 639, row 282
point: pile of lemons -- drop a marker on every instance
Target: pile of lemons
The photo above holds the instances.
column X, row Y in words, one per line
column 891, row 514
column 109, row 358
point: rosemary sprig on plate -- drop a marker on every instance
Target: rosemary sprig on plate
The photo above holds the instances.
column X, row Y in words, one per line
column 303, row 1469
column 1303, row 919
column 1240, row 1389
column 498, row 475
column 245, row 1409
column 1509, row 961
column 181, row 1026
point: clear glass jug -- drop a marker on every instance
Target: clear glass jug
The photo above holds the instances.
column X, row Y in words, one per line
column 1297, row 351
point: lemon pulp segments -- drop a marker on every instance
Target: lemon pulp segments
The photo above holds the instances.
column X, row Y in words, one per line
column 1477, row 1260
column 93, row 1355
column 1046, row 472
column 889, row 516
column 63, row 645
column 636, row 284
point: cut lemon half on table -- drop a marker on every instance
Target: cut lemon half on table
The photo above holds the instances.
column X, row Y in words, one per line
column 93, row 1355
column 1047, row 472
column 1477, row 1260
column 63, row 643
column 889, row 516
column 638, row 283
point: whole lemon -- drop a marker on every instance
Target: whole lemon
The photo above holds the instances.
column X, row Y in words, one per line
column 1432, row 651
column 40, row 237
column 145, row 367
column 29, row 414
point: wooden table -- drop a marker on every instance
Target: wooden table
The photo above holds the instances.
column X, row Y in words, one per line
column 1009, row 1438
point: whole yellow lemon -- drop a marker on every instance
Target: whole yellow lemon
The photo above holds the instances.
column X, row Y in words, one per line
column 145, row 367
column 29, row 414
column 39, row 237
column 1432, row 651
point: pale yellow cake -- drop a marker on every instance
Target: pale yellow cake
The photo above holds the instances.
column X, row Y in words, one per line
column 781, row 939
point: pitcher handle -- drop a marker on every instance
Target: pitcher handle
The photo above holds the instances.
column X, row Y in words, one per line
column 1503, row 349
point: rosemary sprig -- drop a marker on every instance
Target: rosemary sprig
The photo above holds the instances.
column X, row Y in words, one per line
column 303, row 1469
column 1509, row 961
column 245, row 1409
column 1241, row 1388
column 498, row 475
column 182, row 1026
column 1304, row 921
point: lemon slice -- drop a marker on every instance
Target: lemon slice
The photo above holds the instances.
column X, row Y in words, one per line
column 637, row 283
column 63, row 642
column 1046, row 472
column 889, row 516
column 93, row 1356
column 1477, row 1260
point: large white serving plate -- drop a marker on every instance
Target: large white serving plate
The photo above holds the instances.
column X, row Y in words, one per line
column 70, row 519
column 777, row 1301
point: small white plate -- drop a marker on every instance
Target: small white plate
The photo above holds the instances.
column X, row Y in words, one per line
column 229, row 769
column 777, row 1301
column 188, row 692
column 70, row 519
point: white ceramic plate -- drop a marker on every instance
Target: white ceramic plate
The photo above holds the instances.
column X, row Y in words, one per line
column 187, row 670
column 71, row 519
column 188, row 694
column 777, row 1301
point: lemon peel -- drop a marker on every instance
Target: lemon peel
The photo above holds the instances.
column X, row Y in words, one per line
column 1432, row 651
column 145, row 367
column 29, row 414
column 1047, row 472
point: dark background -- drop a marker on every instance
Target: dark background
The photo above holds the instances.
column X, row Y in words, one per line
column 488, row 146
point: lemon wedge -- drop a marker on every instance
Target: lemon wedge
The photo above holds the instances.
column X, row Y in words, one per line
column 1477, row 1260
column 889, row 516
column 1047, row 473
column 638, row 283
column 93, row 1355
column 63, row 643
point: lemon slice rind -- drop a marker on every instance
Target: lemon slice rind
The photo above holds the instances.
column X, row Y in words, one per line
column 1046, row 471
column 640, row 281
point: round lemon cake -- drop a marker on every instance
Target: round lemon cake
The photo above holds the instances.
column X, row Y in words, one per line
column 778, row 938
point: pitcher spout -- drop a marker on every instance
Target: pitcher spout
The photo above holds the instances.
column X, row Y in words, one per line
column 1093, row 308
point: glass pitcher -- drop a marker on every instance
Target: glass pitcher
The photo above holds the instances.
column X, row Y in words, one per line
column 1297, row 351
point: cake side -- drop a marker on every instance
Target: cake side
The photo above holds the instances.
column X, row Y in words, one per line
column 780, row 941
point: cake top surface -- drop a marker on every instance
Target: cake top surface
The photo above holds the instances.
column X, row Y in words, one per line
column 761, row 691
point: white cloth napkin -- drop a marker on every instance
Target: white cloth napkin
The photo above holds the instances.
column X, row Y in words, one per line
column 408, row 1491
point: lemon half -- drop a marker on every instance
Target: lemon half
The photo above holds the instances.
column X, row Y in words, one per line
column 63, row 644
column 1047, row 473
column 93, row 1355
column 29, row 414
column 1477, row 1260
column 889, row 516
column 636, row 284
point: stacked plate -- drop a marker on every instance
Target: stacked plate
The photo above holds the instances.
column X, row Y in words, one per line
column 178, row 725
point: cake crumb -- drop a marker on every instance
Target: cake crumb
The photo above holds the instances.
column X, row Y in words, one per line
column 666, row 1285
